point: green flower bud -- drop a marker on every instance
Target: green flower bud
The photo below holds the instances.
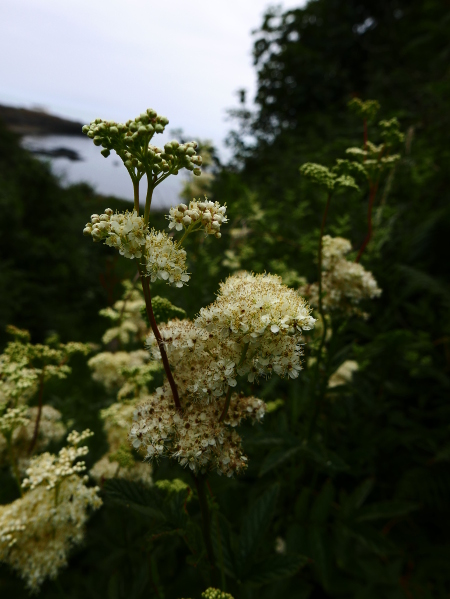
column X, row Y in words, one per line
column 151, row 113
column 97, row 121
column 168, row 147
column 175, row 144
column 90, row 134
column 98, row 140
column 128, row 163
column 85, row 128
column 142, row 129
column 182, row 149
column 114, row 130
column 190, row 151
column 163, row 120
column 132, row 126
column 197, row 172
column 166, row 167
column 189, row 166
column 150, row 129
column 159, row 128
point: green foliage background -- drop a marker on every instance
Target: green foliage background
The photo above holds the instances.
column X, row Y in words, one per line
column 366, row 502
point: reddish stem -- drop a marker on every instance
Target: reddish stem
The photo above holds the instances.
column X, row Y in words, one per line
column 159, row 340
column 373, row 193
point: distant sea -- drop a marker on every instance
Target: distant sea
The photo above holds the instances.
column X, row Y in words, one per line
column 107, row 176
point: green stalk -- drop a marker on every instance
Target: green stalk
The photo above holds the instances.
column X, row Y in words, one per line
column 136, row 194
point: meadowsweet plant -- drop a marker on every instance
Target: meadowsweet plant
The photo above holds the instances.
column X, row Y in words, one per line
column 252, row 330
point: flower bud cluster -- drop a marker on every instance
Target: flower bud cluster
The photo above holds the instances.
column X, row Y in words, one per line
column 107, row 367
column 131, row 140
column 194, row 437
column 344, row 284
column 124, row 231
column 207, row 215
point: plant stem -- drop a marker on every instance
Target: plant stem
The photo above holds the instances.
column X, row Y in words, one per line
column 136, row 194
column 148, row 199
column 227, row 405
column 159, row 340
column 39, row 413
column 200, row 483
column 373, row 193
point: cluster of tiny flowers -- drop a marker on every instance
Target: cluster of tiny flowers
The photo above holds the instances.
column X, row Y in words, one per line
column 19, row 377
column 126, row 313
column 344, row 284
column 108, row 368
column 12, row 419
column 125, row 231
column 49, row 470
column 195, row 437
column 207, row 215
column 165, row 260
column 38, row 530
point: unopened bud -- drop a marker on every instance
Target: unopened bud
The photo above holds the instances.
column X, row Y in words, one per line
column 87, row 231
column 159, row 128
column 98, row 140
column 85, row 128
column 151, row 113
column 105, row 153
column 197, row 172
column 114, row 130
column 149, row 128
column 163, row 120
column 190, row 151
column 109, row 211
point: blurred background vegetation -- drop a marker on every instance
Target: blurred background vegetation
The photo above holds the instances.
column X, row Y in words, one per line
column 370, row 508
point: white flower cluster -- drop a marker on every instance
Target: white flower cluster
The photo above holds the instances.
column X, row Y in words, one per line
column 12, row 419
column 165, row 259
column 195, row 437
column 209, row 215
column 127, row 232
column 344, row 374
column 38, row 530
column 50, row 470
column 253, row 329
column 124, row 231
column 344, row 284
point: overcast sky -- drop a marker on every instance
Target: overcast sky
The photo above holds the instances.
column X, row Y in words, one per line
column 113, row 58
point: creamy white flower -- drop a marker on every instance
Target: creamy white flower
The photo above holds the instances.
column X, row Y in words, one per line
column 165, row 260
column 208, row 215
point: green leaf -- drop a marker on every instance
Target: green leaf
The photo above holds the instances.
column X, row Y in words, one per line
column 256, row 523
column 385, row 510
column 325, row 458
column 319, row 547
column 372, row 539
column 277, row 457
column 223, row 545
column 134, row 496
column 274, row 568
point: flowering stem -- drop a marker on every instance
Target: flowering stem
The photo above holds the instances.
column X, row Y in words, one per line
column 148, row 200
column 159, row 340
column 227, row 405
column 200, row 483
column 136, row 194
column 39, row 413
column 373, row 193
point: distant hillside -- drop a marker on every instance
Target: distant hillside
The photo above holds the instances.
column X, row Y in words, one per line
column 26, row 122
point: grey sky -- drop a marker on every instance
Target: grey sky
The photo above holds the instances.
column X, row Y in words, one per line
column 114, row 58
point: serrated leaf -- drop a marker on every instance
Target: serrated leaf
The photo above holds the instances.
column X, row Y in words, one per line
column 385, row 510
column 134, row 496
column 223, row 545
column 276, row 458
column 256, row 523
column 273, row 568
